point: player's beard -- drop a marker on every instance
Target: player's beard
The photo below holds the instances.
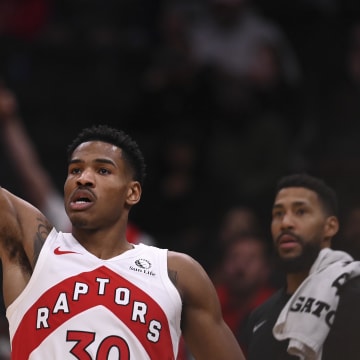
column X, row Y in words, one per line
column 302, row 262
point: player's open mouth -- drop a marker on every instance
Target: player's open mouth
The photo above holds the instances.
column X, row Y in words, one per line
column 81, row 200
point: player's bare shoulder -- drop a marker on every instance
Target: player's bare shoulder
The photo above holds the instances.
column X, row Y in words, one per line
column 185, row 272
column 23, row 230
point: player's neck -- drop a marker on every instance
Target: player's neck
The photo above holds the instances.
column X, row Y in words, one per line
column 104, row 244
column 294, row 280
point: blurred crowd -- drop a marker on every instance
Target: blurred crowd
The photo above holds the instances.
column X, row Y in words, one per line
column 223, row 96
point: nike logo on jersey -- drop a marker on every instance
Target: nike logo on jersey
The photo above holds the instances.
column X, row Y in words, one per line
column 257, row 326
column 57, row 251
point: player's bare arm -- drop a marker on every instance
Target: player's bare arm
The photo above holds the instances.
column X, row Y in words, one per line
column 23, row 230
column 204, row 330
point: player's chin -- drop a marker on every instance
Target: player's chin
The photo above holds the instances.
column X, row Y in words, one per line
column 288, row 253
column 81, row 222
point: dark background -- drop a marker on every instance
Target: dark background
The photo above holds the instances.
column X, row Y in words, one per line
column 77, row 63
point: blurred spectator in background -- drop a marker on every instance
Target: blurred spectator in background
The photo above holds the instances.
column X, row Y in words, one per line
column 228, row 39
column 175, row 91
column 238, row 219
column 244, row 280
column 253, row 75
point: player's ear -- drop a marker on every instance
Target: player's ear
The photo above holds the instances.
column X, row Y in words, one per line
column 331, row 227
column 134, row 193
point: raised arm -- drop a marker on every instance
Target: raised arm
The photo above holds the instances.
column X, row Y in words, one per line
column 206, row 334
column 21, row 151
column 23, row 229
column 38, row 187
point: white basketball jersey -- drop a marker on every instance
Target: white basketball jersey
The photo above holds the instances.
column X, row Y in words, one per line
column 77, row 306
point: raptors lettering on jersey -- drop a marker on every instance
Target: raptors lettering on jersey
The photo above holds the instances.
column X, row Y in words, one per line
column 99, row 287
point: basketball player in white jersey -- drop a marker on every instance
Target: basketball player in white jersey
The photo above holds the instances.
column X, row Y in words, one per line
column 90, row 294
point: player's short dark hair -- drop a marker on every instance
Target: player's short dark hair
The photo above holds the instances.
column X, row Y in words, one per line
column 131, row 151
column 325, row 193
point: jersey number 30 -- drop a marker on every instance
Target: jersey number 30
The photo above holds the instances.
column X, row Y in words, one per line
column 83, row 339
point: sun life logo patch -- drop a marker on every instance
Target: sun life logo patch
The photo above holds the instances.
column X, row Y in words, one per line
column 143, row 263
column 142, row 266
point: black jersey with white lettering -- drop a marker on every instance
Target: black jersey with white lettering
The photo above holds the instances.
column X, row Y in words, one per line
column 343, row 340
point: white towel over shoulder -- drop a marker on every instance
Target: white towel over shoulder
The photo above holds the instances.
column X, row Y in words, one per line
column 306, row 317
